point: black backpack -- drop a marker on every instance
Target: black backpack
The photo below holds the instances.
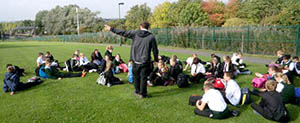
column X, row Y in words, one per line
column 182, row 80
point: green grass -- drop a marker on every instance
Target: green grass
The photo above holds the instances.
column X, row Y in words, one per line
column 81, row 100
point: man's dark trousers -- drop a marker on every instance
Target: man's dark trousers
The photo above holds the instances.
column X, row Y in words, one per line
column 140, row 77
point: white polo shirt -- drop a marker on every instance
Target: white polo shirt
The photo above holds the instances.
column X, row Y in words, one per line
column 84, row 61
column 199, row 68
column 190, row 60
column 214, row 99
column 40, row 60
column 233, row 92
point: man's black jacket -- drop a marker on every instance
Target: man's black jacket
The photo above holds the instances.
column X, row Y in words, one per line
column 142, row 43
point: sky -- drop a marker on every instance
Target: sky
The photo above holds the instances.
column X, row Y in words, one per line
column 13, row 10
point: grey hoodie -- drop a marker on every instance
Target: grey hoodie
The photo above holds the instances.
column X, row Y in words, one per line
column 143, row 42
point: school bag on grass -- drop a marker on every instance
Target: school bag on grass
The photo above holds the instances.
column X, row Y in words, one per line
column 42, row 73
column 219, row 84
column 245, row 96
column 101, row 79
column 297, row 95
column 182, row 80
column 258, row 82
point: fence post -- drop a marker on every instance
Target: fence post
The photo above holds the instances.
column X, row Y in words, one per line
column 297, row 40
column 167, row 31
column 214, row 33
column 189, row 37
column 248, row 39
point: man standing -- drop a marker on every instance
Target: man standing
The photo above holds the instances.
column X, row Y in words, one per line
column 143, row 42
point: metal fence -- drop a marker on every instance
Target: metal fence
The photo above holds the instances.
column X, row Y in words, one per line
column 250, row 39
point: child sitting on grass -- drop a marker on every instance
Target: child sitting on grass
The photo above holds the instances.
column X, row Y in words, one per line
column 175, row 69
column 109, row 50
column 226, row 66
column 39, row 61
column 189, row 61
column 271, row 105
column 197, row 71
column 211, row 104
column 119, row 65
column 160, row 75
column 213, row 68
column 285, row 88
column 53, row 73
column 109, row 75
column 86, row 65
column 232, row 93
column 237, row 60
column 11, row 82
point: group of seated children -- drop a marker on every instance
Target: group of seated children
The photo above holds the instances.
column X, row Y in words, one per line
column 110, row 65
column 213, row 103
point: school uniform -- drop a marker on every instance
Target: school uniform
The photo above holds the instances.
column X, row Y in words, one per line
column 233, row 92
column 165, row 59
column 198, row 69
column 97, row 58
column 40, row 61
column 108, row 53
column 53, row 73
column 164, row 79
column 86, row 65
column 111, row 79
column 225, row 67
column 50, row 57
column 175, row 70
column 213, row 69
column 271, row 107
column 11, row 83
column 279, row 60
column 287, row 92
column 216, row 106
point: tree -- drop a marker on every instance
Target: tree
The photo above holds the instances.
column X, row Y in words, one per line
column 231, row 9
column 256, row 10
column 162, row 16
column 136, row 15
column 63, row 20
column 193, row 15
column 215, row 11
column 39, row 21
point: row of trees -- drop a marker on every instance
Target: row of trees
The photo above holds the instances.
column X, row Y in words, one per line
column 191, row 13
column 216, row 13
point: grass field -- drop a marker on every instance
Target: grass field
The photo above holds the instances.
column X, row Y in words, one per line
column 81, row 100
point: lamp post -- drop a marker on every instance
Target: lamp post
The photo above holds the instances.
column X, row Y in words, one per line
column 78, row 28
column 120, row 19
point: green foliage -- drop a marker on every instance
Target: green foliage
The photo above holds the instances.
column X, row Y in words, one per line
column 256, row 10
column 162, row 16
column 193, row 15
column 136, row 15
column 290, row 15
column 63, row 20
column 237, row 22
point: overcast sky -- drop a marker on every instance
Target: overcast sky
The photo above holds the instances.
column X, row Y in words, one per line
column 12, row 10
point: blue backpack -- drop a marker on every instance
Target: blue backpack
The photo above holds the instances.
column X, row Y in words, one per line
column 42, row 72
column 297, row 95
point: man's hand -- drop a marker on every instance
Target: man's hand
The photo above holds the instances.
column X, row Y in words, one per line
column 107, row 28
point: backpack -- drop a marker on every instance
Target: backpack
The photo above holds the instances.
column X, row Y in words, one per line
column 245, row 96
column 42, row 72
column 101, row 79
column 34, row 80
column 258, row 82
column 297, row 95
column 219, row 84
column 182, row 80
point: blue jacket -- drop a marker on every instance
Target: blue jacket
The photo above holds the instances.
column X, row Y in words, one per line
column 11, row 82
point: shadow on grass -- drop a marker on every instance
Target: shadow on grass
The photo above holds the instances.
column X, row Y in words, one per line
column 175, row 91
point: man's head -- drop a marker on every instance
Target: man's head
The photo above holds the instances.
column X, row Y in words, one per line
column 145, row 25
